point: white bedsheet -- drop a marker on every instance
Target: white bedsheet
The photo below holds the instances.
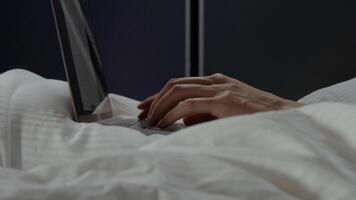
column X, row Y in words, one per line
column 344, row 92
column 305, row 153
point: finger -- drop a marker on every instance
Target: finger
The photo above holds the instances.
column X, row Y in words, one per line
column 147, row 102
column 143, row 115
column 188, row 108
column 219, row 78
column 177, row 94
column 197, row 119
column 180, row 81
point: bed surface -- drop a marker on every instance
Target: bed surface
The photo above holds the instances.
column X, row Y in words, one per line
column 305, row 153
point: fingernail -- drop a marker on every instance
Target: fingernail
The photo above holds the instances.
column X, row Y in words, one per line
column 140, row 116
column 140, row 105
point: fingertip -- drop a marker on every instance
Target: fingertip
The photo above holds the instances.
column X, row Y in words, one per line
column 141, row 105
column 140, row 116
column 151, row 122
column 146, row 102
column 143, row 115
column 162, row 124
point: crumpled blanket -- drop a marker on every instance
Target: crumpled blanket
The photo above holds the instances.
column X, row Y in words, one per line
column 304, row 153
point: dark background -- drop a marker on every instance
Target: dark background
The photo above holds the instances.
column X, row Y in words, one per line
column 28, row 39
column 287, row 47
column 141, row 43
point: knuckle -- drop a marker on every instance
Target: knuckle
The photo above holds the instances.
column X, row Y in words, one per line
column 188, row 103
column 177, row 88
column 228, row 94
column 218, row 76
column 172, row 82
column 225, row 97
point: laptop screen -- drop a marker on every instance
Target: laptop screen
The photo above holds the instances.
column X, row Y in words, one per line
column 141, row 44
column 81, row 55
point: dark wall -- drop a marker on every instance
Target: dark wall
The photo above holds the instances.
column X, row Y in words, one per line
column 28, row 39
column 142, row 42
column 288, row 47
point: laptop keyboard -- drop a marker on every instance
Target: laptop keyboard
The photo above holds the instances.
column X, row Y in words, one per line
column 142, row 126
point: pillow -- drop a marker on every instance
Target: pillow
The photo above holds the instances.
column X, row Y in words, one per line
column 47, row 95
column 9, row 82
column 26, row 94
column 29, row 91
column 344, row 92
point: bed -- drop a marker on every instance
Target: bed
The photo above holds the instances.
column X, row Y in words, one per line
column 304, row 153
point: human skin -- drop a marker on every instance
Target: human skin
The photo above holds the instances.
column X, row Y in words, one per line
column 201, row 99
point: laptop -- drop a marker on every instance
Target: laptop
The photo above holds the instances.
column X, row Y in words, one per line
column 84, row 69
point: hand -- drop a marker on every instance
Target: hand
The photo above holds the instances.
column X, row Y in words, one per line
column 201, row 99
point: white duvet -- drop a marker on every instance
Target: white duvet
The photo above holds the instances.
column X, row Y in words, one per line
column 305, row 153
